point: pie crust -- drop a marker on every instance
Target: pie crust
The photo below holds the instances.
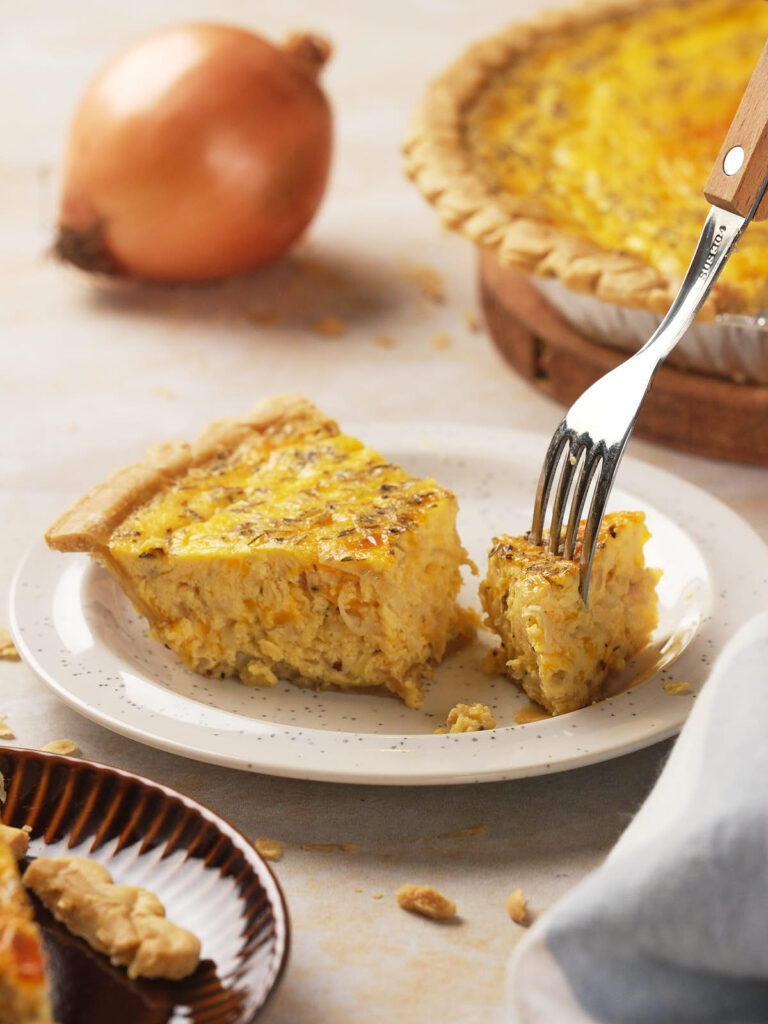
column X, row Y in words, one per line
column 440, row 162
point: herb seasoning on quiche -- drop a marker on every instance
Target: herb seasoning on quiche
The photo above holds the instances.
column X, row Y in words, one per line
column 278, row 547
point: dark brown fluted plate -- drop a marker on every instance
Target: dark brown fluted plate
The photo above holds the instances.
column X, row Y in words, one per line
column 206, row 873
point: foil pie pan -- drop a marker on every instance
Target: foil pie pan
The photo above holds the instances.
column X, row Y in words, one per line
column 731, row 346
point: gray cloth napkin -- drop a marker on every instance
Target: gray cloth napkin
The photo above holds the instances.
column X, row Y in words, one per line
column 673, row 927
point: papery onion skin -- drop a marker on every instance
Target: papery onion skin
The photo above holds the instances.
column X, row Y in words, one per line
column 200, row 153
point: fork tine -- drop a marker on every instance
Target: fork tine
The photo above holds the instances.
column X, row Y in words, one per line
column 563, row 490
column 594, row 519
column 592, row 459
column 551, row 460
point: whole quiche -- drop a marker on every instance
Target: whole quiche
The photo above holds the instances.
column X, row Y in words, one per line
column 576, row 146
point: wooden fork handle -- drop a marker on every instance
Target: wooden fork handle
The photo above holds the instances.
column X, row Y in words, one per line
column 737, row 191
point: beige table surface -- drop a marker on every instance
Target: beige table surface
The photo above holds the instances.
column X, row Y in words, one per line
column 91, row 376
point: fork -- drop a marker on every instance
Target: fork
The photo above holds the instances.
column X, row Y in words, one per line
column 590, row 440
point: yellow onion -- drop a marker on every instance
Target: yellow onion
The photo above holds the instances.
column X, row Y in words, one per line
column 201, row 152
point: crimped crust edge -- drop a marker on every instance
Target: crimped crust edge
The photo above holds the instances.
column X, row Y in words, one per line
column 438, row 162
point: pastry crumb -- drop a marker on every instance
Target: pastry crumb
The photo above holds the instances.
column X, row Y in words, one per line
column 8, row 650
column 330, row 326
column 427, row 280
column 62, row 747
column 330, row 847
column 269, row 849
column 6, row 732
column 385, row 340
column 441, row 341
column 469, row 718
column 676, row 689
column 472, row 321
column 425, row 900
column 517, row 906
column 378, row 896
column 161, row 392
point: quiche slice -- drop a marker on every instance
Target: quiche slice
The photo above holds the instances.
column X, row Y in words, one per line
column 556, row 648
column 276, row 546
column 24, row 997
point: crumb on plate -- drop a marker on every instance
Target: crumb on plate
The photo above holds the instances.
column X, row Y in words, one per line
column 6, row 732
column 469, row 718
column 441, row 341
column 675, row 689
column 385, row 340
column 425, row 900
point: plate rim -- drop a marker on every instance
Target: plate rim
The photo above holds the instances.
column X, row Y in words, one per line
column 433, row 438
column 258, row 864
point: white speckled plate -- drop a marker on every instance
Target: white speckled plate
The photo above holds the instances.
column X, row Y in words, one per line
column 73, row 626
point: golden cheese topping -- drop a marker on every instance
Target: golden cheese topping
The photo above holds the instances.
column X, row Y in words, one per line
column 613, row 131
column 330, row 497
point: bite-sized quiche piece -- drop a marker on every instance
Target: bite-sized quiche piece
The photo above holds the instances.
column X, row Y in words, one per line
column 552, row 644
column 24, row 991
column 276, row 546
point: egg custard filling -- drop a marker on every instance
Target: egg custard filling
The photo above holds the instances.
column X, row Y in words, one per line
column 278, row 547
column 578, row 145
column 555, row 647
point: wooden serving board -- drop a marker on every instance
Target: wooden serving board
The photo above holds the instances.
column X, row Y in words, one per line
column 690, row 411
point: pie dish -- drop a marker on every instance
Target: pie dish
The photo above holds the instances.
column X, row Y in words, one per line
column 206, row 873
column 575, row 148
column 276, row 546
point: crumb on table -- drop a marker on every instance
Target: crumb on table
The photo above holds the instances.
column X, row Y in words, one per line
column 441, row 341
column 269, row 849
column 676, row 689
column 8, row 650
column 425, row 900
column 62, row 747
column 469, row 718
column 517, row 906
column 427, row 280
